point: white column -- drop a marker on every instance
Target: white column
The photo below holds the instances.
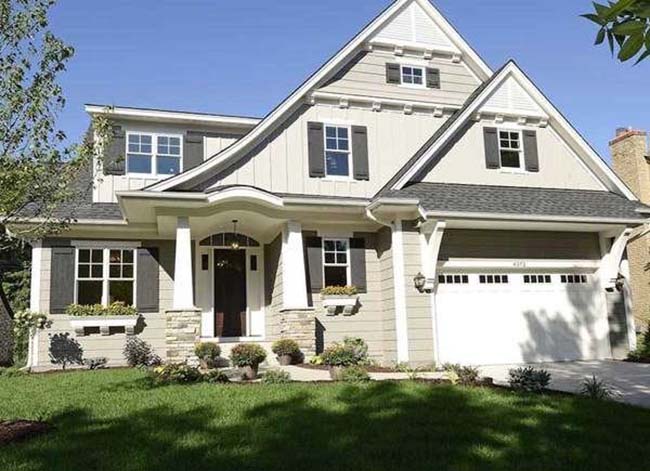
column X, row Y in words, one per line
column 399, row 280
column 294, row 279
column 183, row 285
column 612, row 256
column 35, row 299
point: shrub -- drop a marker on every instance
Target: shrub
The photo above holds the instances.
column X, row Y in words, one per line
column 11, row 372
column 353, row 351
column 339, row 291
column 175, row 373
column 215, row 377
column 354, row 374
column 464, row 375
column 98, row 310
column 96, row 363
column 286, row 347
column 316, row 360
column 596, row 389
column 359, row 349
column 139, row 353
column 247, row 354
column 207, row 351
column 276, row 376
column 529, row 379
column 642, row 352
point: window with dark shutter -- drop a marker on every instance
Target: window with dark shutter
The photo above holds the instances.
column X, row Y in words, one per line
column 316, row 145
column 148, row 280
column 360, row 153
column 491, row 139
column 62, row 279
column 314, row 259
column 433, row 78
column 393, row 73
column 358, row 263
column 531, row 154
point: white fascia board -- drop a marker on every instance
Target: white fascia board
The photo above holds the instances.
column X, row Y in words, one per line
column 527, row 217
column 297, row 97
column 393, row 202
column 384, row 101
column 171, row 116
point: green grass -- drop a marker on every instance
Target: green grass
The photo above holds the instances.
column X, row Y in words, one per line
column 112, row 420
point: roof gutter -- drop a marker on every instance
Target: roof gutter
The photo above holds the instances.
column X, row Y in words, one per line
column 522, row 217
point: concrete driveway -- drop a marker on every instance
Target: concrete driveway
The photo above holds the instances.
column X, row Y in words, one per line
column 631, row 381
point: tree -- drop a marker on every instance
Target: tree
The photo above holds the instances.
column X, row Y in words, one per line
column 626, row 26
column 37, row 169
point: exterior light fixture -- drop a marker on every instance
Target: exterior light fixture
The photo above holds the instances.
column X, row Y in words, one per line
column 420, row 282
column 235, row 241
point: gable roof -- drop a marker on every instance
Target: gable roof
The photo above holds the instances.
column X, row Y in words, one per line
column 473, row 105
column 295, row 99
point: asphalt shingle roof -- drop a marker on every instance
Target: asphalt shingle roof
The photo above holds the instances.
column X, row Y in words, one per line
column 451, row 197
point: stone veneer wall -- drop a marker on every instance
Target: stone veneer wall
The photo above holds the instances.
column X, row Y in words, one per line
column 182, row 332
column 299, row 325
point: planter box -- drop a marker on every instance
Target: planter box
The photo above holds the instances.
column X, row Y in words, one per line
column 104, row 323
column 348, row 303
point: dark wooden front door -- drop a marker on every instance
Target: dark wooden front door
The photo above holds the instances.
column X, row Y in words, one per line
column 230, row 293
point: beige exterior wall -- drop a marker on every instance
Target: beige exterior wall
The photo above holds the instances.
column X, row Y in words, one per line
column 366, row 76
column 465, row 163
column 280, row 164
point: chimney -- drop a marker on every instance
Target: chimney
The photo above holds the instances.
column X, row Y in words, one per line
column 629, row 155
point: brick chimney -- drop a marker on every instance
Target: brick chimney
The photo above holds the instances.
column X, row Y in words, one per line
column 630, row 156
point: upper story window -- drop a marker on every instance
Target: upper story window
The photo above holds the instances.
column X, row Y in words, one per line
column 336, row 262
column 105, row 276
column 154, row 154
column 412, row 75
column 338, row 161
column 510, row 149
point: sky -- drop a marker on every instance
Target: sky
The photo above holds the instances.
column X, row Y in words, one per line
column 245, row 57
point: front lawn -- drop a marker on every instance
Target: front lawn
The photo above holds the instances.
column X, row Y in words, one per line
column 112, row 420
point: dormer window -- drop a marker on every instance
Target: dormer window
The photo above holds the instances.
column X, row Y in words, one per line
column 413, row 76
column 153, row 154
column 510, row 149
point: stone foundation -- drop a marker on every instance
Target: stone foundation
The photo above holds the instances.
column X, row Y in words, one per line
column 182, row 332
column 300, row 325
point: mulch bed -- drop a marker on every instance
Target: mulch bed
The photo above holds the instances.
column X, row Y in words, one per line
column 369, row 369
column 17, row 430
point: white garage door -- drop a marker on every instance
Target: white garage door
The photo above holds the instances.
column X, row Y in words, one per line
column 500, row 318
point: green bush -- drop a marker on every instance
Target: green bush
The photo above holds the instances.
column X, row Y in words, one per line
column 529, row 379
column 316, row 360
column 207, row 351
column 596, row 389
column 175, row 374
column 11, row 372
column 139, row 353
column 464, row 375
column 359, row 349
column 247, row 354
column 339, row 291
column 353, row 351
column 642, row 352
column 354, row 374
column 276, row 376
column 99, row 310
column 215, row 377
column 285, row 347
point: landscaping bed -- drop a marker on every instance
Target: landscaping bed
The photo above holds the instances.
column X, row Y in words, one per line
column 369, row 368
column 18, row 430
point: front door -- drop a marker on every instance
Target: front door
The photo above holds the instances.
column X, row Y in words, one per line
column 230, row 293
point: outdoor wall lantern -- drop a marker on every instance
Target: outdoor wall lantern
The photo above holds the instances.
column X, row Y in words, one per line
column 420, row 282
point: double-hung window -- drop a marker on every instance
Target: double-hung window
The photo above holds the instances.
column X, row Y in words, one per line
column 105, row 276
column 412, row 75
column 510, row 149
column 338, row 156
column 336, row 262
column 154, row 154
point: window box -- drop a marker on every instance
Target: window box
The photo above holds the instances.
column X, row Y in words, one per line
column 104, row 323
column 332, row 302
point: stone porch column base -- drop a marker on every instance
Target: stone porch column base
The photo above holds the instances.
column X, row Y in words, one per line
column 300, row 325
column 182, row 332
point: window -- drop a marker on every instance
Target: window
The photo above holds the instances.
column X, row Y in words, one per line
column 337, row 151
column 336, row 266
column 412, row 75
column 537, row 279
column 510, row 149
column 105, row 276
column 153, row 154
column 573, row 279
column 493, row 279
column 453, row 279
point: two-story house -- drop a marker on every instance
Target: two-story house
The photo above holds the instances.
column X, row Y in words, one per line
column 476, row 223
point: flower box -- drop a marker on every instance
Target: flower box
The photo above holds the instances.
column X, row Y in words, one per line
column 333, row 302
column 104, row 323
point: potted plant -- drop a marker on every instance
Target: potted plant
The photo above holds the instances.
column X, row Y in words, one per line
column 208, row 354
column 337, row 357
column 340, row 296
column 286, row 350
column 248, row 357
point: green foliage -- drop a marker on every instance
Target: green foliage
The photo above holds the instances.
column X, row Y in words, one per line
column 316, row 360
column 354, row 374
column 626, row 26
column 175, row 373
column 276, row 376
column 139, row 353
column 339, row 291
column 24, row 323
column 99, row 310
column 459, row 374
column 11, row 372
column 642, row 352
column 207, row 351
column 596, row 389
column 215, row 377
column 285, row 347
column 247, row 354
column 529, row 379
column 353, row 351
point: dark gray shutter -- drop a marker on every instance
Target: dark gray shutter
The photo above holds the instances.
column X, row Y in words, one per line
column 114, row 155
column 360, row 152
column 314, row 268
column 192, row 150
column 393, row 73
column 433, row 78
column 148, row 280
column 491, row 138
column 530, row 151
column 316, row 143
column 62, row 279
column 358, row 263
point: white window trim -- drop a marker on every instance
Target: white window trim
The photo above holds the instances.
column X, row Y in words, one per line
column 348, row 265
column 154, row 154
column 350, row 176
column 413, row 85
column 105, row 270
column 522, row 156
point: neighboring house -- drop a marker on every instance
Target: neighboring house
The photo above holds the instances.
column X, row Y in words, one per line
column 6, row 331
column 478, row 226
column 631, row 158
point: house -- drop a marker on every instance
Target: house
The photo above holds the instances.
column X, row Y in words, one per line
column 476, row 223
column 630, row 156
column 6, row 331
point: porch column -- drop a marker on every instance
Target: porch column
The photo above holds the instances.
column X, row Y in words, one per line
column 294, row 281
column 35, row 300
column 399, row 280
column 183, row 285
